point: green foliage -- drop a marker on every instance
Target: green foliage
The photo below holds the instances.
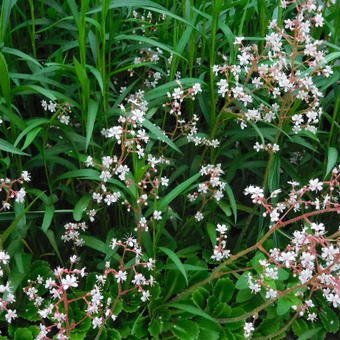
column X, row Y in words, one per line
column 83, row 55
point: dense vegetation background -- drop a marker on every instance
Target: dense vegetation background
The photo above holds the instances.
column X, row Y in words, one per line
column 67, row 68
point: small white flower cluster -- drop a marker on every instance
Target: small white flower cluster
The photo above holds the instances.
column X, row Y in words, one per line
column 7, row 187
column 72, row 233
column 153, row 79
column 130, row 134
column 311, row 256
column 53, row 301
column 296, row 200
column 91, row 214
column 149, row 18
column 147, row 55
column 220, row 251
column 6, row 294
column 266, row 147
column 187, row 128
column 308, row 308
column 63, row 110
column 248, row 329
column 211, row 189
column 198, row 140
column 131, row 246
column 285, row 71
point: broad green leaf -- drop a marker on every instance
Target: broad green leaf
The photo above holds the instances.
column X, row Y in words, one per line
column 22, row 55
column 242, row 282
column 220, row 309
column 244, row 295
column 223, row 289
column 51, row 237
column 175, row 259
column 199, row 297
column 78, row 336
column 185, row 330
column 8, row 147
column 232, row 200
column 309, row 334
column 31, row 137
column 329, row 319
column 165, row 201
column 95, row 243
column 193, row 310
column 23, row 334
column 81, row 206
column 283, row 274
column 208, row 330
column 81, row 173
column 300, row 327
column 160, row 135
column 27, row 89
column 211, row 229
column 302, row 141
column 149, row 41
column 155, row 327
column 31, row 125
column 113, row 334
column 5, row 79
column 283, row 305
column 332, row 157
column 48, row 217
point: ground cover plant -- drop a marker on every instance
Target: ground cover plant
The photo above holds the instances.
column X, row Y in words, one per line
column 169, row 169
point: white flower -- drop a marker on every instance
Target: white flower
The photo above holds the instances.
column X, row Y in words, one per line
column 69, row 281
column 151, row 263
column 222, row 228
column 4, row 257
column 199, row 216
column 25, row 176
column 312, row 317
column 74, row 259
column 49, row 283
column 271, row 294
column 248, row 329
column 89, row 161
column 145, row 295
column 238, row 40
column 121, row 276
column 10, row 315
column 44, row 104
column 315, row 184
column 107, row 161
column 196, row 88
column 20, row 195
column 64, row 119
column 157, row 215
column 52, row 106
column 105, row 176
column 96, row 322
column 272, row 273
column 139, row 279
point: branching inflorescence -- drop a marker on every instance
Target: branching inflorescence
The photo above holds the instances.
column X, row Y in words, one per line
column 53, row 296
column 284, row 72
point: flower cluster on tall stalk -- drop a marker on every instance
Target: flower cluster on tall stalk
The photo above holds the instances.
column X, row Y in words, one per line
column 54, row 296
column 266, row 85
